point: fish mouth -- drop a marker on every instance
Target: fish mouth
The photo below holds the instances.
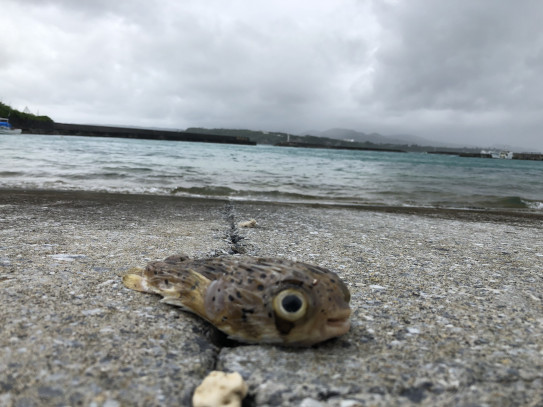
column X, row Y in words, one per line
column 339, row 323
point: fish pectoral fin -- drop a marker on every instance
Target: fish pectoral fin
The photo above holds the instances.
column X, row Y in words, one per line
column 188, row 293
column 178, row 302
column 189, row 301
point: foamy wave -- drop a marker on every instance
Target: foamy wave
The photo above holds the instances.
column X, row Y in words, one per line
column 533, row 204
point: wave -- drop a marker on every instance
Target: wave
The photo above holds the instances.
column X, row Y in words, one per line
column 11, row 173
column 534, row 204
column 128, row 169
column 204, row 191
column 221, row 192
column 516, row 202
column 496, row 202
column 235, row 193
column 510, row 202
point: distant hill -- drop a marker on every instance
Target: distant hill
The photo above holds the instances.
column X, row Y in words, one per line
column 403, row 140
column 351, row 135
column 339, row 137
column 376, row 138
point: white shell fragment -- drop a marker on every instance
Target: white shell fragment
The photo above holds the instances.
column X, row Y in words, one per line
column 220, row 389
column 247, row 224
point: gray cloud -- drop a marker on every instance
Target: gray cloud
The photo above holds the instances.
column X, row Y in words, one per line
column 462, row 67
column 479, row 56
column 460, row 71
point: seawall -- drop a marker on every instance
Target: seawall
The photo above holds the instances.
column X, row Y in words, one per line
column 86, row 130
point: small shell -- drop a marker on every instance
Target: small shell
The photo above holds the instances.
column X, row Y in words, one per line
column 248, row 224
column 220, row 389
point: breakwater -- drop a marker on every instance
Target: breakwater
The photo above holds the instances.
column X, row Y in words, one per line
column 335, row 147
column 86, row 130
column 528, row 156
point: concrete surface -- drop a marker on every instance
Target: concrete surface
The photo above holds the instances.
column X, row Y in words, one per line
column 447, row 305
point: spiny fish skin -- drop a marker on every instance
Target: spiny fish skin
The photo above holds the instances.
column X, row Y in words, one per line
column 251, row 299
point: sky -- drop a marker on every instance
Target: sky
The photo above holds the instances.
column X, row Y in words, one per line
column 468, row 72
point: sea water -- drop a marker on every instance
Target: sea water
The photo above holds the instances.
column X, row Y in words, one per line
column 268, row 173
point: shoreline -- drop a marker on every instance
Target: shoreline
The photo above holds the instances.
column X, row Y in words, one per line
column 476, row 215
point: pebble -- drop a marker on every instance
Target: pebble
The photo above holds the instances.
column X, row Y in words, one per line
column 220, row 389
column 248, row 224
column 309, row 402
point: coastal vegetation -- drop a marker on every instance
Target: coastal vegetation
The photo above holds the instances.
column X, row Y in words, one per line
column 25, row 120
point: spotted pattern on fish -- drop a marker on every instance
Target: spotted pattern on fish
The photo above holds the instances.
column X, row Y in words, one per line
column 251, row 299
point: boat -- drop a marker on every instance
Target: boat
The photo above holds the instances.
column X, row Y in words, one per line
column 504, row 155
column 6, row 128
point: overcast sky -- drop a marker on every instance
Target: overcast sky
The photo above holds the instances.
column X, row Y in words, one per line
column 463, row 71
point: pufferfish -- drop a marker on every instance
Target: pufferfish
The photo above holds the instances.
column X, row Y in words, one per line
column 253, row 300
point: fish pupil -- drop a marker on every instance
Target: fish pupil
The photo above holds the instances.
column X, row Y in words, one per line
column 291, row 303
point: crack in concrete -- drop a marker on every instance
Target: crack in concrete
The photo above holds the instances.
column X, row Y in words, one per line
column 232, row 234
column 217, row 338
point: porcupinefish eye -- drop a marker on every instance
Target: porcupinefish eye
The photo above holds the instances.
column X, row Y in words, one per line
column 290, row 304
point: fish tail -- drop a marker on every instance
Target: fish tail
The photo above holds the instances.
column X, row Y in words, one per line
column 135, row 281
column 184, row 288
